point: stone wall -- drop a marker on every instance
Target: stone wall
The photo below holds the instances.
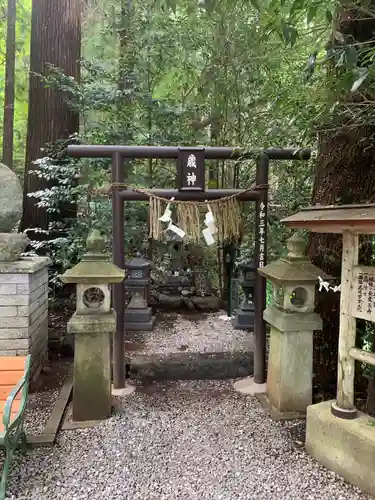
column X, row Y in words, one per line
column 24, row 309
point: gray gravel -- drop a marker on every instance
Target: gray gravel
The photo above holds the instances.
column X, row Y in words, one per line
column 196, row 334
column 38, row 410
column 41, row 403
column 181, row 440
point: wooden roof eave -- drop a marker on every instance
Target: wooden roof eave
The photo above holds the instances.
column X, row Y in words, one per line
column 334, row 219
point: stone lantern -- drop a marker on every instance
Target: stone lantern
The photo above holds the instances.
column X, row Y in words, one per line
column 93, row 325
column 293, row 321
column 138, row 316
column 244, row 319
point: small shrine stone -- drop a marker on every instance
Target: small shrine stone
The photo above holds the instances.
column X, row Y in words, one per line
column 10, row 199
column 11, row 244
column 245, row 316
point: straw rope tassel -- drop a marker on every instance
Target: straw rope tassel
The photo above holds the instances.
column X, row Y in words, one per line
column 155, row 212
column 180, row 218
column 151, row 215
column 159, row 211
column 226, row 212
column 216, row 213
column 188, row 217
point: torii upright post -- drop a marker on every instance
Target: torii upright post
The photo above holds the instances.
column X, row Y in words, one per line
column 257, row 383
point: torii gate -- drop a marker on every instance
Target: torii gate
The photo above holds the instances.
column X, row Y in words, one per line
column 190, row 187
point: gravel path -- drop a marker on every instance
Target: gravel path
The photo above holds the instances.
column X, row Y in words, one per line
column 41, row 403
column 38, row 410
column 181, row 440
column 189, row 333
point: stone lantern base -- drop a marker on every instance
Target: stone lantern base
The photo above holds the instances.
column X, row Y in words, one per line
column 137, row 320
column 289, row 376
column 244, row 319
column 92, row 398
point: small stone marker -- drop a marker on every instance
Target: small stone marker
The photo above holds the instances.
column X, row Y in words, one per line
column 10, row 199
column 93, row 324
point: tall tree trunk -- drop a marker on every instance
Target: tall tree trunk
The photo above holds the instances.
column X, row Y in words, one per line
column 345, row 174
column 10, row 64
column 125, row 70
column 56, row 41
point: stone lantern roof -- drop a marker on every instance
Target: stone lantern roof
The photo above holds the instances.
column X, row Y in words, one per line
column 94, row 267
column 295, row 267
column 138, row 262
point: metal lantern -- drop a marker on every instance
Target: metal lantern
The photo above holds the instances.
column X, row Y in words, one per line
column 244, row 319
column 138, row 316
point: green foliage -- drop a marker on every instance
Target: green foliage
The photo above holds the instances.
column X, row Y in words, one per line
column 184, row 74
column 66, row 238
column 22, row 68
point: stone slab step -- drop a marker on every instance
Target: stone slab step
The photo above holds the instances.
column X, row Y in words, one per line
column 191, row 366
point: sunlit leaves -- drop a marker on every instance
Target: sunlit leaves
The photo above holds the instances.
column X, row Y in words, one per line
column 298, row 5
column 362, row 74
column 311, row 13
column 21, row 78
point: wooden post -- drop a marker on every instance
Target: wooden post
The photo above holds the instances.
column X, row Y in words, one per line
column 261, row 216
column 118, row 251
column 344, row 407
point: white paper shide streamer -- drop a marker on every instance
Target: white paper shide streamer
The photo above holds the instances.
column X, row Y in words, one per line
column 167, row 217
column 327, row 286
column 210, row 230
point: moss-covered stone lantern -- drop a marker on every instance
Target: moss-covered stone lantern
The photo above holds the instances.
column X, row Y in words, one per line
column 92, row 325
column 293, row 321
